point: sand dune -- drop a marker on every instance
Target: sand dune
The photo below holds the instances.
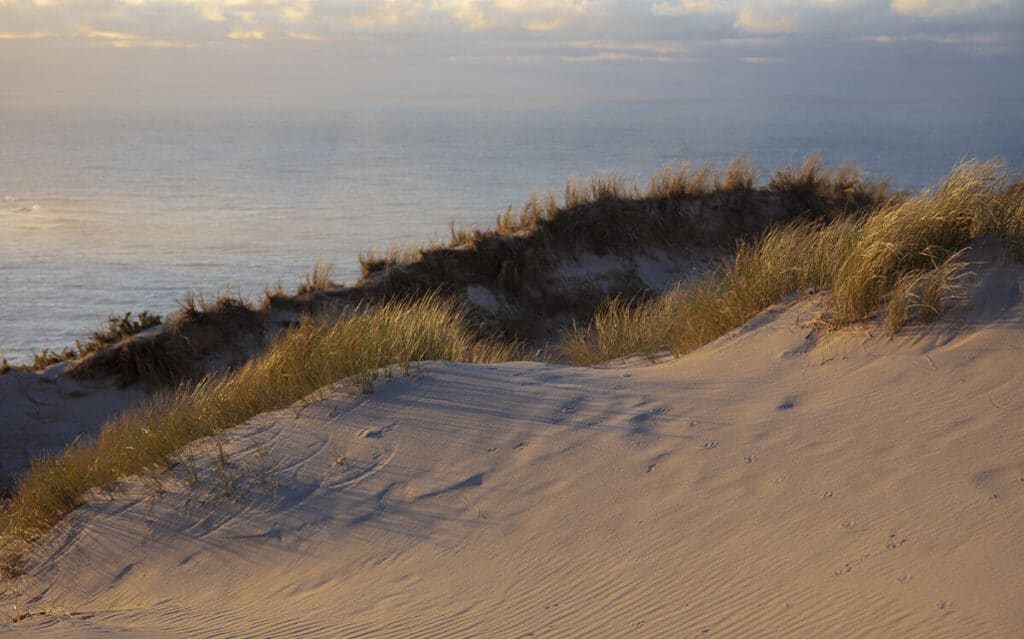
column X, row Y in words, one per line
column 781, row 482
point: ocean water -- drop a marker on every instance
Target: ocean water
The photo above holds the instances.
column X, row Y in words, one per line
column 106, row 208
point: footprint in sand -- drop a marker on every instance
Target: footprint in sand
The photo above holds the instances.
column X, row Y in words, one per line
column 750, row 459
column 827, row 494
column 572, row 405
column 379, row 433
column 520, row 446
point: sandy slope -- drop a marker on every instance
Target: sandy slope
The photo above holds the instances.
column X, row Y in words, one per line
column 779, row 483
column 41, row 413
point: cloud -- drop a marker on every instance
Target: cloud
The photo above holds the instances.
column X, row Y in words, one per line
column 385, row 14
column 601, row 57
column 308, row 37
column 27, row 35
column 688, row 7
column 761, row 20
column 242, row 34
column 762, row 60
column 125, row 40
column 942, row 8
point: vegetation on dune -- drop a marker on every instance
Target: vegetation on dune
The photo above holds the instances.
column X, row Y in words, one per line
column 199, row 328
column 318, row 278
column 300, row 361
column 876, row 252
column 682, row 207
column 116, row 329
column 608, row 212
column 903, row 259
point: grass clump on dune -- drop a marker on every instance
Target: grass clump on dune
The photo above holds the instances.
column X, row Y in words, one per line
column 117, row 328
column 300, row 361
column 785, row 260
column 903, row 259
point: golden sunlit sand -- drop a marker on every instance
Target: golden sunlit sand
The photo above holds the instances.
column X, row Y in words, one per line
column 783, row 481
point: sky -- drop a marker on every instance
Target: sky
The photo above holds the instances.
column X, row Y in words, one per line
column 512, row 50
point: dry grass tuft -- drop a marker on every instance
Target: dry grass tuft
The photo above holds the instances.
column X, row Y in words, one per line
column 905, row 258
column 784, row 261
column 318, row 278
column 198, row 330
column 117, row 328
column 299, row 362
column 921, row 232
column 844, row 188
column 922, row 295
column 374, row 260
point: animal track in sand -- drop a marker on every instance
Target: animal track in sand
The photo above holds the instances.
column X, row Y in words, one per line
column 845, row 570
column 893, row 543
column 750, row 459
column 520, row 446
column 708, row 445
column 827, row 494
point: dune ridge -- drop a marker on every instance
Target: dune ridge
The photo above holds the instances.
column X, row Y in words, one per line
column 782, row 481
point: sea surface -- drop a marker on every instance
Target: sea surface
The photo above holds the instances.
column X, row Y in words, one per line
column 106, row 208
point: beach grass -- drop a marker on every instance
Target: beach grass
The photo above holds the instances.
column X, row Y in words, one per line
column 902, row 260
column 308, row 357
column 614, row 197
column 117, row 328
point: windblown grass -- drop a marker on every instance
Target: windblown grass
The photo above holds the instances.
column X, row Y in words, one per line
column 903, row 259
column 300, row 361
column 786, row 260
column 318, row 278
